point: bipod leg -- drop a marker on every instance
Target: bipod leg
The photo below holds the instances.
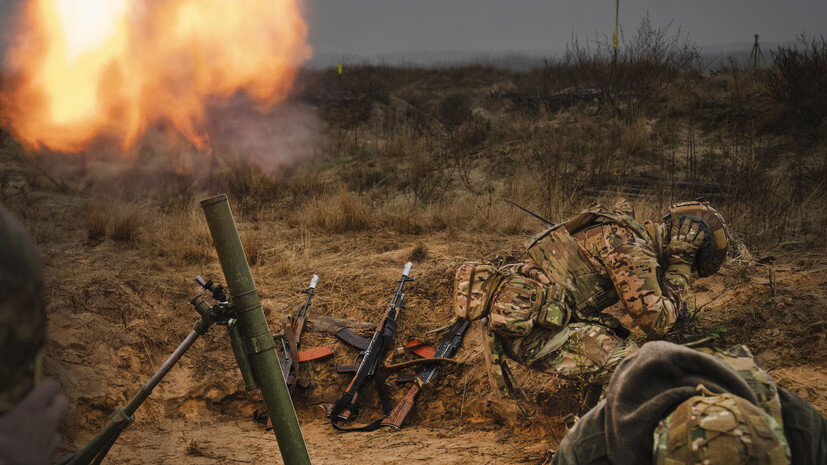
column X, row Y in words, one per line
column 99, row 446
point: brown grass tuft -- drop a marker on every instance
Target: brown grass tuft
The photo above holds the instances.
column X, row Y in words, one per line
column 339, row 213
column 253, row 247
column 97, row 220
column 126, row 223
column 418, row 254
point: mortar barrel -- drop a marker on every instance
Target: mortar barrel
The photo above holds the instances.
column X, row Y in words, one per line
column 252, row 324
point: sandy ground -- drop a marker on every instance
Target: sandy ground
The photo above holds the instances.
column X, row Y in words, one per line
column 116, row 310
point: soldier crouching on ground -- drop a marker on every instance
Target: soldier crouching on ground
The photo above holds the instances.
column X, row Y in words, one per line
column 29, row 409
column 670, row 405
column 547, row 312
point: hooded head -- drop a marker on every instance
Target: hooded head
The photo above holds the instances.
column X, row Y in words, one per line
column 22, row 312
column 719, row 428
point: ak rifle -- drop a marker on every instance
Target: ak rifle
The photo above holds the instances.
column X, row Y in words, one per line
column 369, row 364
column 290, row 342
column 448, row 347
column 292, row 338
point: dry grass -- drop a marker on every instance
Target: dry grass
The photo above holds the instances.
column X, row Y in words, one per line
column 635, row 138
column 253, row 247
column 183, row 238
column 97, row 220
column 338, row 213
column 126, row 222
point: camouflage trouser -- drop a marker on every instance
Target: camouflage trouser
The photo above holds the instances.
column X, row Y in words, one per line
column 591, row 354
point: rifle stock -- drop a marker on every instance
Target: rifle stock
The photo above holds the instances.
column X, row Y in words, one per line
column 448, row 347
column 403, row 408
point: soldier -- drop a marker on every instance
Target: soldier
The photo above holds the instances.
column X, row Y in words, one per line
column 29, row 409
column 671, row 405
column 547, row 312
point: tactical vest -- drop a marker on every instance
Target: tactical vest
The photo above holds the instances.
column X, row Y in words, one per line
column 567, row 264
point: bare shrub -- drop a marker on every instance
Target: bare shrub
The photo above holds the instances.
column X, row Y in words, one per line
column 653, row 59
column 798, row 80
column 454, row 110
column 425, row 177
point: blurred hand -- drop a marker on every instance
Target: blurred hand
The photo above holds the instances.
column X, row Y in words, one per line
column 28, row 432
column 685, row 241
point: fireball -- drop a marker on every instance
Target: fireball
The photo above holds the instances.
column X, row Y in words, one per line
column 80, row 70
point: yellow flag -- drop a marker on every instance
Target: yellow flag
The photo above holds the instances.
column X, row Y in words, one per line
column 340, row 68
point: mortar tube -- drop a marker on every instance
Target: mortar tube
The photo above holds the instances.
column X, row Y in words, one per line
column 252, row 324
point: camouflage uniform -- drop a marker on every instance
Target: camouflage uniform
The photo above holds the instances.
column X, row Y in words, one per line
column 708, row 428
column 547, row 312
column 723, row 428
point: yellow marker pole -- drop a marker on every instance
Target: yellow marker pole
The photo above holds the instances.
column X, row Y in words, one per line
column 340, row 68
column 614, row 38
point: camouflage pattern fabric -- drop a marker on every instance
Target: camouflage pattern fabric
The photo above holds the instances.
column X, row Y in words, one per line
column 719, row 429
column 22, row 313
column 591, row 354
column 630, row 266
column 602, row 256
column 581, row 351
column 547, row 312
column 472, row 284
column 494, row 359
column 760, row 382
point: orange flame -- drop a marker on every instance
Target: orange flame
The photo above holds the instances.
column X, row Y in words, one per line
column 81, row 69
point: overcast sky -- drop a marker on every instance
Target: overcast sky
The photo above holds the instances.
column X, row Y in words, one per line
column 387, row 26
column 371, row 27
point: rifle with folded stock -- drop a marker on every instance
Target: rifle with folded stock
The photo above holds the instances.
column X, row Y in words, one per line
column 448, row 347
column 291, row 340
column 369, row 364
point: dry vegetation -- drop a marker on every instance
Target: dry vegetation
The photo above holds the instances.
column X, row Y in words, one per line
column 413, row 164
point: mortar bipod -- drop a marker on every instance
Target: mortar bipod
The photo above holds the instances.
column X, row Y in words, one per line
column 221, row 313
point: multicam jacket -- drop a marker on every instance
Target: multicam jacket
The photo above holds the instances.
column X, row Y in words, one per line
column 602, row 256
column 576, row 270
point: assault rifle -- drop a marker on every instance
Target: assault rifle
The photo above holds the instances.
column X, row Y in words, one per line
column 448, row 347
column 369, row 364
column 291, row 340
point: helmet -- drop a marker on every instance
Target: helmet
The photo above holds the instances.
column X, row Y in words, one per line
column 22, row 313
column 719, row 429
column 712, row 252
column 472, row 290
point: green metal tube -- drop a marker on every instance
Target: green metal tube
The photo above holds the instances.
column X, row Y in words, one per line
column 252, row 324
column 248, row 374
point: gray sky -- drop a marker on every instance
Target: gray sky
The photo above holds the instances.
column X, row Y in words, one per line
column 371, row 27
column 368, row 27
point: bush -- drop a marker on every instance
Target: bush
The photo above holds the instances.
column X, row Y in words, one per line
column 799, row 80
column 655, row 58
